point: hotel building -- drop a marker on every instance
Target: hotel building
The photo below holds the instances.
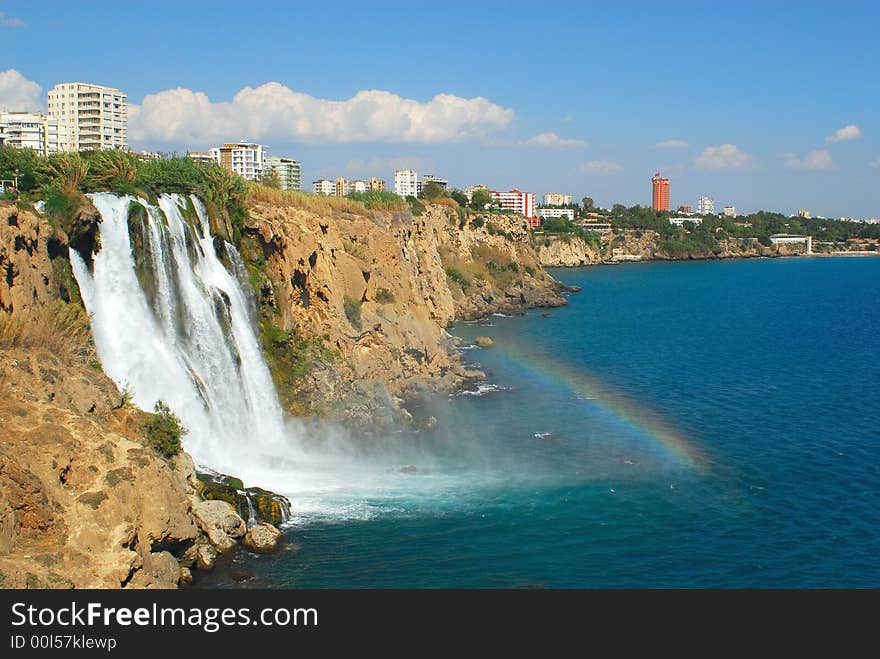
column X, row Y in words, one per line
column 32, row 130
column 661, row 192
column 93, row 117
column 287, row 169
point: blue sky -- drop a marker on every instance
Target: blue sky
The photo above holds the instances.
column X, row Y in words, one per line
column 577, row 95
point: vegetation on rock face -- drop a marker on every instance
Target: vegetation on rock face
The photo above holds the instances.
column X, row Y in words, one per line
column 564, row 227
column 455, row 275
column 379, row 200
column 290, row 360
column 164, row 430
column 352, row 311
column 416, row 207
column 384, row 296
column 58, row 327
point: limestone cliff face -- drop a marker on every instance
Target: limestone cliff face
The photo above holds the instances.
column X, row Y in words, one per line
column 34, row 264
column 376, row 289
column 26, row 273
column 571, row 253
column 646, row 245
column 83, row 502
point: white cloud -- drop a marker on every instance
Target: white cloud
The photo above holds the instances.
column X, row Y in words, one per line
column 818, row 159
column 9, row 21
column 273, row 111
column 845, row 134
column 723, row 156
column 18, row 93
column 599, row 166
column 875, row 163
column 671, row 144
column 568, row 119
column 552, row 141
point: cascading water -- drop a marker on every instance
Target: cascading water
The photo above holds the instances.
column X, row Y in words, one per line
column 191, row 342
column 174, row 319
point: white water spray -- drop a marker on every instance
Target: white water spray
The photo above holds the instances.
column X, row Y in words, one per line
column 193, row 345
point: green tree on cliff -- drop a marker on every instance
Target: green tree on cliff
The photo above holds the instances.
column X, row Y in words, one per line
column 480, row 198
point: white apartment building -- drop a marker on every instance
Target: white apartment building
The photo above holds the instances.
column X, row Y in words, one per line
column 406, row 183
column 705, row 206
column 204, row 156
column 430, row 178
column 730, row 211
column 287, row 169
column 324, row 186
column 679, row 221
column 556, row 199
column 244, row 158
column 516, row 202
column 32, row 130
column 544, row 213
column 94, row 116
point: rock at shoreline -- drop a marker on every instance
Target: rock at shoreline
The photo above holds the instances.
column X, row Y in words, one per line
column 219, row 521
column 262, row 538
column 206, row 556
column 485, row 342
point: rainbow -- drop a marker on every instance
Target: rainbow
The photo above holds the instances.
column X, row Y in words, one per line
column 619, row 411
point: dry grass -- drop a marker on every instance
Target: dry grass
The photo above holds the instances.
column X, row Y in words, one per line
column 60, row 328
column 444, row 201
column 260, row 194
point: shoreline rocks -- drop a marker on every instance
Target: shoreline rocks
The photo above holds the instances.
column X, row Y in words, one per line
column 262, row 538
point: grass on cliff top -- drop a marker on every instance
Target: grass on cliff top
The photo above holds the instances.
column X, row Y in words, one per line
column 261, row 194
column 60, row 328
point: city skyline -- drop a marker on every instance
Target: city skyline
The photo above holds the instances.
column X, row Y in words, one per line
column 741, row 119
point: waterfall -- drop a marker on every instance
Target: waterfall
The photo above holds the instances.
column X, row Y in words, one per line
column 171, row 323
column 174, row 319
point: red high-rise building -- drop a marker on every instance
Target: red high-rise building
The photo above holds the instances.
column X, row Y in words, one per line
column 661, row 192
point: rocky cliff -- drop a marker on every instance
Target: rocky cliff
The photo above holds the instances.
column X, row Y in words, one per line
column 646, row 245
column 376, row 290
column 85, row 500
column 353, row 308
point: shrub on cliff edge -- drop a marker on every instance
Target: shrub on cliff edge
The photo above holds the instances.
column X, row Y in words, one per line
column 164, row 430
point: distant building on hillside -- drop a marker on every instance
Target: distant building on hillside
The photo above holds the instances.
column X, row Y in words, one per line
column 706, row 206
column 376, row 184
column 94, row 117
column 684, row 208
column 519, row 202
column 244, row 158
column 544, row 213
column 804, row 213
column 730, row 211
column 287, row 169
column 679, row 221
column 660, row 187
column 209, row 157
column 430, row 178
column 33, row 130
column 324, row 187
column 556, row 199
column 406, row 183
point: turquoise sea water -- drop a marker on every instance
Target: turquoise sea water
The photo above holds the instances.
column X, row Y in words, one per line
column 678, row 424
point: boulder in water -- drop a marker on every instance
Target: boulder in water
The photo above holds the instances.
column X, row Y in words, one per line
column 206, row 556
column 219, row 521
column 267, row 506
column 484, row 342
column 262, row 538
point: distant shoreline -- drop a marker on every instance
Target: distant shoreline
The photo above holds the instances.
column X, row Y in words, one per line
column 717, row 258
